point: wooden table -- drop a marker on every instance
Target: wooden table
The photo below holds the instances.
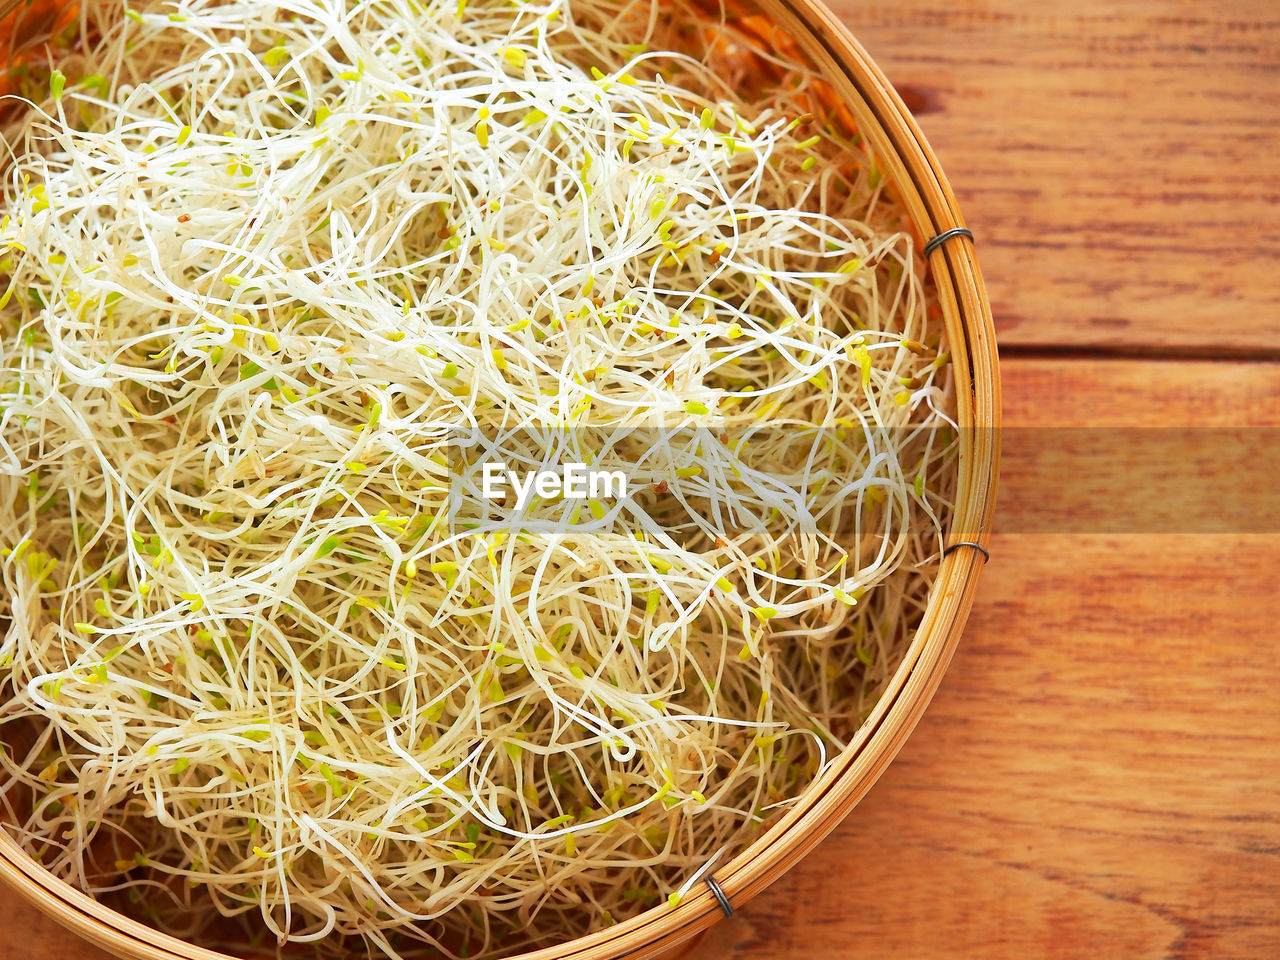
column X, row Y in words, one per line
column 1099, row 775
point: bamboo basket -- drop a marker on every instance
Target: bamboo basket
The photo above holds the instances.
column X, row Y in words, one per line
column 867, row 100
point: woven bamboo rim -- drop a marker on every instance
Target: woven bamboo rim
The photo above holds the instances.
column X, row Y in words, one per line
column 921, row 186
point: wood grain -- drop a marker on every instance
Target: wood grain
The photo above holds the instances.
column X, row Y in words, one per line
column 1097, row 776
column 1107, row 446
column 1117, row 160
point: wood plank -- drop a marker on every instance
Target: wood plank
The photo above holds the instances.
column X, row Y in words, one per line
column 1097, row 775
column 1050, row 393
column 1117, row 160
column 27, row 934
column 1118, row 446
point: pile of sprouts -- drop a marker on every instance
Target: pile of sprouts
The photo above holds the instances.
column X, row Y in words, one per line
column 276, row 273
